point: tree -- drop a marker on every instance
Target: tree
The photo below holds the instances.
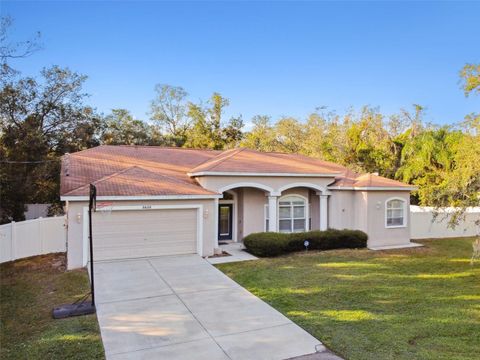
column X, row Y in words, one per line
column 206, row 130
column 326, row 137
column 290, row 135
column 120, row 128
column 427, row 161
column 215, row 112
column 445, row 162
column 232, row 133
column 361, row 140
column 470, row 76
column 169, row 109
column 446, row 167
column 36, row 118
column 16, row 50
column 199, row 135
column 262, row 136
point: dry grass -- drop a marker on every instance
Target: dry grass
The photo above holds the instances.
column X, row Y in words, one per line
column 29, row 289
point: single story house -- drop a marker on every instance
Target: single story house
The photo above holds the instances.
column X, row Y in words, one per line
column 158, row 201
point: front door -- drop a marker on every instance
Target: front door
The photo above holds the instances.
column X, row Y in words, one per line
column 225, row 222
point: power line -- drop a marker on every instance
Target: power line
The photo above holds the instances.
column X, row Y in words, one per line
column 27, row 162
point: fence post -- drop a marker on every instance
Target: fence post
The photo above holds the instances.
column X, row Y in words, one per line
column 41, row 234
column 13, row 238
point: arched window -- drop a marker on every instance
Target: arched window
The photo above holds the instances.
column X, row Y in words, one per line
column 395, row 213
column 292, row 214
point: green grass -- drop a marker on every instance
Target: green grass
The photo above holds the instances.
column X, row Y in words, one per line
column 421, row 303
column 29, row 289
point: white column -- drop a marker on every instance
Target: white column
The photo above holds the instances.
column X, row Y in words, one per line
column 215, row 217
column 323, row 212
column 272, row 213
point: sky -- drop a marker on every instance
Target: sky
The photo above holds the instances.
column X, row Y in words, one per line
column 268, row 58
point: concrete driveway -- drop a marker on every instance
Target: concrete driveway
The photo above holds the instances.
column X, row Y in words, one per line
column 181, row 307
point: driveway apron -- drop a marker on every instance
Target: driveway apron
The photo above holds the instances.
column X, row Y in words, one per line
column 181, row 307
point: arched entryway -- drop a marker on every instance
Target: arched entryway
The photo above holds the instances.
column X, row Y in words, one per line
column 240, row 211
column 248, row 207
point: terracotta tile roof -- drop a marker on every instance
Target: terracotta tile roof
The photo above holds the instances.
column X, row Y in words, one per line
column 251, row 161
column 350, row 179
column 140, row 182
column 371, row 180
column 170, row 164
column 151, row 170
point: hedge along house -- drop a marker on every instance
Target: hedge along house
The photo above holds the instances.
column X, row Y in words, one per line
column 165, row 201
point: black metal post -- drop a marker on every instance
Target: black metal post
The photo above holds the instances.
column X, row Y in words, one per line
column 82, row 307
column 91, row 205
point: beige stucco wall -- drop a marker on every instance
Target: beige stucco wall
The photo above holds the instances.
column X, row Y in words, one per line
column 239, row 215
column 341, row 210
column 360, row 218
column 75, row 228
column 296, row 191
column 251, row 209
column 254, row 201
column 346, row 209
column 358, row 210
column 251, row 200
column 378, row 233
column 314, row 203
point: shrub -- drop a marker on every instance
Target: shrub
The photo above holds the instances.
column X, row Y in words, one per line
column 274, row 244
column 267, row 243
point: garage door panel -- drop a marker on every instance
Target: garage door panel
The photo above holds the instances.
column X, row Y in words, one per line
column 143, row 243
column 136, row 252
column 135, row 234
column 130, row 234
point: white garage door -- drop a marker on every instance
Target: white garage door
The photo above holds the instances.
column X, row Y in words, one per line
column 131, row 234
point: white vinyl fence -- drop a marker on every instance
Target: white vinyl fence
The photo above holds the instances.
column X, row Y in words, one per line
column 32, row 237
column 422, row 225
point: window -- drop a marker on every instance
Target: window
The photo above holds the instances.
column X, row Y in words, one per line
column 292, row 214
column 395, row 213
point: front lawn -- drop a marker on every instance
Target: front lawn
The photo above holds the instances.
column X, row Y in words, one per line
column 29, row 289
column 421, row 303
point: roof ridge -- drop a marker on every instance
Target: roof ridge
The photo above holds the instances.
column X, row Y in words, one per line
column 219, row 161
column 370, row 180
column 138, row 146
column 84, row 150
column 114, row 174
column 207, row 160
column 160, row 147
column 234, row 152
